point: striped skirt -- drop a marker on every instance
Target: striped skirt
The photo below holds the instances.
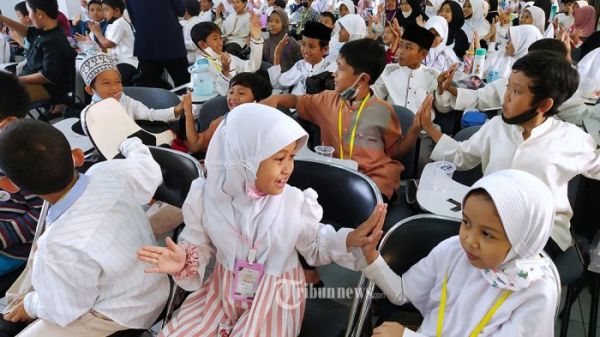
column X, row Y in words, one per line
column 276, row 311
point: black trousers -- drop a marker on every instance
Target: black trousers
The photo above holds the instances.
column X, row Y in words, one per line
column 151, row 72
column 127, row 73
column 233, row 49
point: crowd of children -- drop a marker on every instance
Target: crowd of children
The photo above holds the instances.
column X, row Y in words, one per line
column 351, row 69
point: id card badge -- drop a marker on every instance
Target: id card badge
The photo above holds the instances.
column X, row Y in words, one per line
column 224, row 330
column 246, row 278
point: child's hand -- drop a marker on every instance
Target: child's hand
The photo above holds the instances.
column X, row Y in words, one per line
column 185, row 106
column 76, row 19
column 255, row 27
column 491, row 36
column 219, row 10
column 389, row 329
column 225, row 64
column 170, row 259
column 424, row 113
column 279, row 50
column 18, row 313
column 476, row 40
column 370, row 231
column 396, row 29
column 95, row 28
column 420, row 21
column 82, row 38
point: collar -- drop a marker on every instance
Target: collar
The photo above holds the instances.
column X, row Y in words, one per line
column 50, row 31
column 316, row 66
column 540, row 129
column 68, row 199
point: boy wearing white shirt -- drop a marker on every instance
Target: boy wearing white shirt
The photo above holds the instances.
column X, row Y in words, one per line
column 314, row 47
column 525, row 137
column 85, row 278
column 408, row 82
column 207, row 36
column 190, row 19
column 448, row 97
column 118, row 40
column 235, row 28
column 103, row 80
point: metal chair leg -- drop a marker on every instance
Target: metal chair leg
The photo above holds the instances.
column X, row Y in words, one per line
column 594, row 304
column 566, row 313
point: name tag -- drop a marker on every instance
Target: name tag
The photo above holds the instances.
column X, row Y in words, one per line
column 246, row 278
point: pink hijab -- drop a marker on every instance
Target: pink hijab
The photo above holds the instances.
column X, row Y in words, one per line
column 585, row 19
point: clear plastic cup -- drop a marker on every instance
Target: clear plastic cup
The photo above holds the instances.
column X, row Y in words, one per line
column 325, row 151
column 443, row 171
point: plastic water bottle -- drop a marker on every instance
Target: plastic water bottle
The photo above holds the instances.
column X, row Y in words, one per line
column 553, row 11
column 478, row 62
column 203, row 80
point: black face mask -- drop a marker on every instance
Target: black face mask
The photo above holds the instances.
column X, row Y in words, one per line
column 522, row 118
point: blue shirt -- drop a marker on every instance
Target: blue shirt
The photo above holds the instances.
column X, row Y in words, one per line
column 56, row 210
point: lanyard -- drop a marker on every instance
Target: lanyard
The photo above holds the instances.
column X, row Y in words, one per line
column 353, row 134
column 212, row 61
column 484, row 321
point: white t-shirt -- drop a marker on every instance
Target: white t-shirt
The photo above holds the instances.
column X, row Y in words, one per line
column 121, row 34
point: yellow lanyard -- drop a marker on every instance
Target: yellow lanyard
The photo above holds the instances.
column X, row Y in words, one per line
column 212, row 61
column 484, row 321
column 353, row 134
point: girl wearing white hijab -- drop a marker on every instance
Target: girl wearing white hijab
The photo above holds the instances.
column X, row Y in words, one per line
column 534, row 15
column 589, row 74
column 520, row 38
column 246, row 214
column 494, row 263
column 350, row 27
column 350, row 8
column 476, row 22
column 440, row 56
column 432, row 7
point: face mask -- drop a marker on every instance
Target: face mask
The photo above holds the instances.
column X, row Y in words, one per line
column 96, row 98
column 350, row 93
column 26, row 44
column 522, row 118
column 406, row 14
column 429, row 11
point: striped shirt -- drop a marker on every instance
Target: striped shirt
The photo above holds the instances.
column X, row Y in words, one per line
column 86, row 258
column 19, row 214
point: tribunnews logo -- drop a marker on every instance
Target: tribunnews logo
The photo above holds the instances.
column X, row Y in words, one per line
column 289, row 294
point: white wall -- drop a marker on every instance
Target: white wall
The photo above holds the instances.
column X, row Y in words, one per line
column 69, row 7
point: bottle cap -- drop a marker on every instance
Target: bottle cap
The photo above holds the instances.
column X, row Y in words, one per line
column 480, row 51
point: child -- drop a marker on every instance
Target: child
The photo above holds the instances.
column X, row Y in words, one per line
column 457, row 38
column 345, row 7
column 103, row 80
column 493, row 267
column 440, row 56
column 535, row 16
column 391, row 41
column 235, row 28
column 327, row 19
column 119, row 39
column 19, row 211
column 96, row 14
column 206, row 11
column 409, row 82
column 370, row 132
column 207, row 36
column 85, row 279
column 305, row 14
column 519, row 39
column 475, row 22
column 278, row 29
column 190, row 19
column 243, row 88
column 49, row 71
column 255, row 224
column 351, row 27
column 314, row 46
column 525, row 137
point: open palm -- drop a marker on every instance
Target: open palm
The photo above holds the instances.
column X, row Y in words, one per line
column 169, row 259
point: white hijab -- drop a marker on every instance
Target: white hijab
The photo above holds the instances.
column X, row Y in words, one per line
column 354, row 25
column 247, row 135
column 477, row 22
column 525, row 206
column 539, row 17
column 521, row 37
column 441, row 27
column 349, row 4
column 582, row 3
column 436, row 4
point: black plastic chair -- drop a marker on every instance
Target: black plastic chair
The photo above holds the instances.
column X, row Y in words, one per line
column 154, row 98
column 348, row 198
column 403, row 245
column 468, row 177
column 211, row 110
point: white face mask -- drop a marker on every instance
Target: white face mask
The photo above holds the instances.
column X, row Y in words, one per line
column 429, row 11
column 406, row 14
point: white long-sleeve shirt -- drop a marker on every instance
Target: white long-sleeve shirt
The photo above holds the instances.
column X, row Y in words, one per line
column 469, row 296
column 491, row 96
column 296, row 76
column 190, row 46
column 404, row 86
column 555, row 152
column 235, row 28
column 139, row 111
column 86, row 258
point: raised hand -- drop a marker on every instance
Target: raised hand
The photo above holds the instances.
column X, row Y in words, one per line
column 219, row 10
column 279, row 50
column 95, row 28
column 367, row 235
column 225, row 64
column 396, row 29
column 255, row 26
column 169, row 259
column 420, row 21
column 424, row 113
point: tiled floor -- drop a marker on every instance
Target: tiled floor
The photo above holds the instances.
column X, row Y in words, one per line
column 579, row 320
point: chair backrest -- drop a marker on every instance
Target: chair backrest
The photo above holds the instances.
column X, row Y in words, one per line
column 411, row 159
column 154, row 98
column 211, row 110
column 411, row 239
column 179, row 170
column 348, row 197
column 468, row 177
